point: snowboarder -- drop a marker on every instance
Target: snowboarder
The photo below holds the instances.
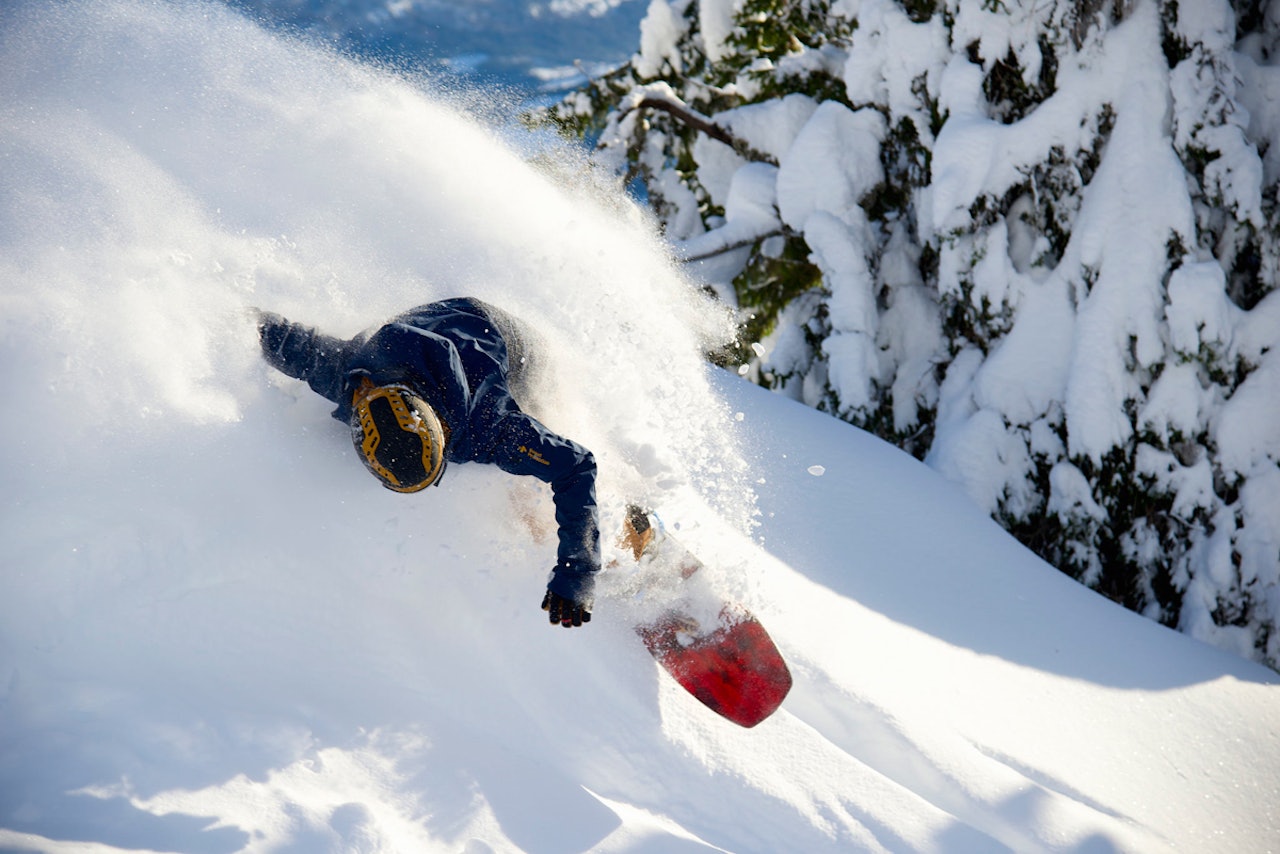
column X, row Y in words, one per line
column 434, row 385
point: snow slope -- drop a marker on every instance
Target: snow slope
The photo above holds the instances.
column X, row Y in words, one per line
column 217, row 633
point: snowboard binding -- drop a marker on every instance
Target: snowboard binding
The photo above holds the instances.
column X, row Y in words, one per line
column 641, row 530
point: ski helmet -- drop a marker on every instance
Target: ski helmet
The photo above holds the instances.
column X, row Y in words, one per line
column 399, row 437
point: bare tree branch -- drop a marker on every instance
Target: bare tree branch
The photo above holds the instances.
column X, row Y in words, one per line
column 677, row 109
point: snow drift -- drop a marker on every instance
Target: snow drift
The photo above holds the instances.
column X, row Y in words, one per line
column 217, row 633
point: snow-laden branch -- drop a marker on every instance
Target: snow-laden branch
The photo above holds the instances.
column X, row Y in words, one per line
column 720, row 241
column 660, row 96
column 750, row 216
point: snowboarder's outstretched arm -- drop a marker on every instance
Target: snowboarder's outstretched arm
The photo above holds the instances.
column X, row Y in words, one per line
column 303, row 353
column 529, row 448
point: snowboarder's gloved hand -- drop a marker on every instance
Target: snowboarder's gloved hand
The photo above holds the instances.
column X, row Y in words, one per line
column 565, row 611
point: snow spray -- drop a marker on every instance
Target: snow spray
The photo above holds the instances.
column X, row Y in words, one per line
column 165, row 166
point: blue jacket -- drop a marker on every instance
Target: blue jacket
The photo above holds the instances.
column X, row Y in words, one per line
column 453, row 356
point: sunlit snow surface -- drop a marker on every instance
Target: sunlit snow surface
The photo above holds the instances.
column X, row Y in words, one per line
column 217, row 633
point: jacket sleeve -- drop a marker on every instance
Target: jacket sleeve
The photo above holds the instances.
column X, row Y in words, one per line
column 529, row 448
column 303, row 353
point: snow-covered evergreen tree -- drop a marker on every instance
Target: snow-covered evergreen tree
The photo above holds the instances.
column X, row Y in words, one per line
column 1033, row 242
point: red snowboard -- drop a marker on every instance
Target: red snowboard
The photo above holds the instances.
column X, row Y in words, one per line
column 728, row 662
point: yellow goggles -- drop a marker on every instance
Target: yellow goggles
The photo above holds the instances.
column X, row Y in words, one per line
column 400, row 439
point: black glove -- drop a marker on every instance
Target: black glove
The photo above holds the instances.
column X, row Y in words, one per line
column 564, row 611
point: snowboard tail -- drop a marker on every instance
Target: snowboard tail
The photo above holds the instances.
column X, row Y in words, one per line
column 730, row 664
column 736, row 671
